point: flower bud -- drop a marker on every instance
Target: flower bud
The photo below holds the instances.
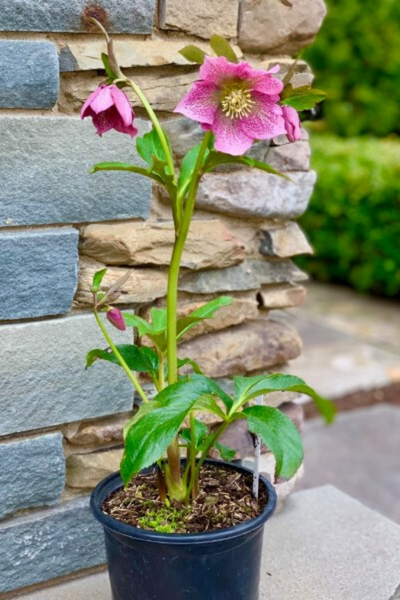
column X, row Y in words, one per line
column 115, row 316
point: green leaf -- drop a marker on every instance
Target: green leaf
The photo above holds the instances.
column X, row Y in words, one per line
column 206, row 311
column 106, row 62
column 200, row 431
column 280, row 435
column 159, row 319
column 97, row 279
column 150, row 145
column 137, row 358
column 182, row 362
column 193, row 54
column 287, row 91
column 119, row 166
column 222, row 47
column 304, row 98
column 143, row 327
column 225, row 452
column 144, row 409
column 187, row 169
column 208, row 403
column 151, row 436
column 219, row 158
column 247, row 388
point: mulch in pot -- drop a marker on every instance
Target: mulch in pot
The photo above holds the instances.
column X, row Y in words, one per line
column 225, row 500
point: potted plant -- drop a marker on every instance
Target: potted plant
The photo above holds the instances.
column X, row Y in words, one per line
column 179, row 528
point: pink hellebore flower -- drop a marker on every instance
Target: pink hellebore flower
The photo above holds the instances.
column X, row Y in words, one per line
column 115, row 316
column 292, row 123
column 110, row 108
column 237, row 103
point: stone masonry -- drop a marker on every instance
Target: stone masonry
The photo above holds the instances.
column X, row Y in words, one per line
column 61, row 426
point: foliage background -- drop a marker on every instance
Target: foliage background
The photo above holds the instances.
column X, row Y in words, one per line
column 353, row 217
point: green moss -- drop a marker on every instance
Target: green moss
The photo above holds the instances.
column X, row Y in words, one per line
column 353, row 219
column 164, row 520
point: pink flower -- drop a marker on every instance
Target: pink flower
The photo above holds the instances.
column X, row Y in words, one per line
column 115, row 316
column 237, row 103
column 292, row 123
column 110, row 108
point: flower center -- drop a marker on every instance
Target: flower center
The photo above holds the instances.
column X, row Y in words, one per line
column 236, row 101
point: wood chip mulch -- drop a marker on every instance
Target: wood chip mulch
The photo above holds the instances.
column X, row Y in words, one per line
column 225, row 500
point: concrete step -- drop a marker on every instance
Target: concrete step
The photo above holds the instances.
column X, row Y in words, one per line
column 359, row 454
column 323, row 546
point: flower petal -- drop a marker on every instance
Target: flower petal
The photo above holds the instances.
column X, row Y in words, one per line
column 266, row 119
column 106, row 120
column 85, row 111
column 200, row 103
column 217, row 69
column 103, row 100
column 229, row 135
column 128, row 129
column 265, row 82
column 122, row 105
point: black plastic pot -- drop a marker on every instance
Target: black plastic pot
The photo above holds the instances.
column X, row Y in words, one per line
column 145, row 565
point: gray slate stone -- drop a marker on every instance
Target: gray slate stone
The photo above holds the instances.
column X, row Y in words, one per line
column 44, row 381
column 249, row 275
column 360, row 454
column 322, row 546
column 327, row 546
column 29, row 74
column 118, row 16
column 256, row 194
column 32, row 473
column 44, row 173
column 38, row 272
column 48, row 544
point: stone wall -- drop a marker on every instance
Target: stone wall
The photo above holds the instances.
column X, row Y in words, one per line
column 60, row 426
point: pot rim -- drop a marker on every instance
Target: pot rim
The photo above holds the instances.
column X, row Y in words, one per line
column 113, row 482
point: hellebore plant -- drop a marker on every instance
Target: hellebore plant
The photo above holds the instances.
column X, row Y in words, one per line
column 235, row 105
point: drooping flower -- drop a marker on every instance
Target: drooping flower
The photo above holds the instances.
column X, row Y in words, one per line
column 292, row 123
column 237, row 103
column 110, row 108
column 116, row 318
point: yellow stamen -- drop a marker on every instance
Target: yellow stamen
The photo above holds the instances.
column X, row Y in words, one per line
column 236, row 101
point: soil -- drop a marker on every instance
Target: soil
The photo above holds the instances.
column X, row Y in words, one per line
column 225, row 500
column 360, row 399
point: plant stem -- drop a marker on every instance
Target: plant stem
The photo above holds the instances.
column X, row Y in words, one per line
column 120, row 358
column 173, row 275
column 193, row 453
column 195, row 474
column 156, row 124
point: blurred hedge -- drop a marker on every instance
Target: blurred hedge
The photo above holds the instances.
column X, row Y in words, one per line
column 353, row 221
column 356, row 57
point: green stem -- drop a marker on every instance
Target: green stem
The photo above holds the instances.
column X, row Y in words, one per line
column 120, row 358
column 193, row 453
column 156, row 124
column 173, row 275
column 194, row 474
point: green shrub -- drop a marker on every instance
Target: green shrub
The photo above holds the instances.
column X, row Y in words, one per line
column 353, row 220
column 356, row 58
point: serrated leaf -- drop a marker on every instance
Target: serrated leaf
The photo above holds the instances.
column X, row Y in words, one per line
column 159, row 319
column 281, row 436
column 151, row 436
column 138, row 358
column 193, row 54
column 97, row 279
column 247, row 388
column 143, row 327
column 207, row 311
column 225, row 452
column 222, row 47
column 144, row 409
column 150, row 145
column 200, row 431
column 304, row 98
column 219, row 158
column 187, row 169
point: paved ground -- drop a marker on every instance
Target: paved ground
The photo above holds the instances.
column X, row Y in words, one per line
column 324, row 546
column 351, row 342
